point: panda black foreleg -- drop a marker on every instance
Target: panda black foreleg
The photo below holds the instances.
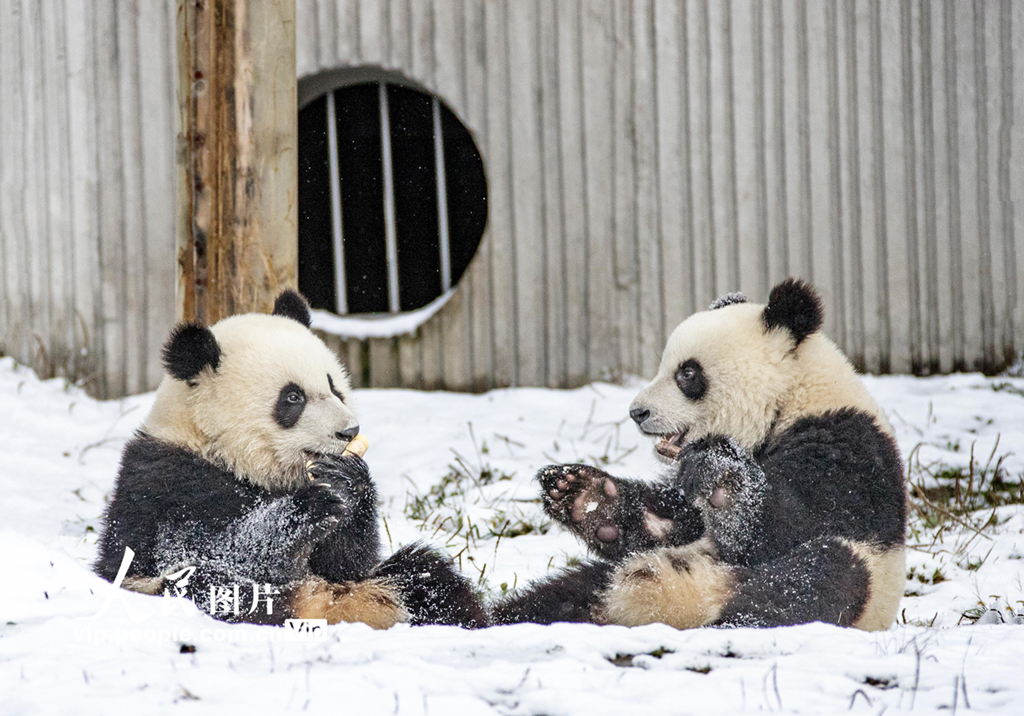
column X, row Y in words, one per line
column 431, row 589
column 615, row 516
column 731, row 491
column 571, row 596
column 255, row 557
column 821, row 580
column 273, row 542
column 270, row 543
column 351, row 550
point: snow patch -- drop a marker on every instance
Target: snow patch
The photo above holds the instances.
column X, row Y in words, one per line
column 377, row 325
column 59, row 453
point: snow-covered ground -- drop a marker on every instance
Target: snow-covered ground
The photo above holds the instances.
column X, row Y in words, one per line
column 59, row 452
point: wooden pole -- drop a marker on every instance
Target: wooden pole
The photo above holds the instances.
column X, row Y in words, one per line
column 237, row 166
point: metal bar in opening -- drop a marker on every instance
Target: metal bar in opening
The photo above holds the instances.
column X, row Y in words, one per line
column 442, row 200
column 390, row 225
column 340, row 289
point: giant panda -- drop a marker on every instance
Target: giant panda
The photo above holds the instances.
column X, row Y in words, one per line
column 238, row 472
column 786, row 500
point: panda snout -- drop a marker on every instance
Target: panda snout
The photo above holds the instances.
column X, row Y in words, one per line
column 347, row 433
column 639, row 415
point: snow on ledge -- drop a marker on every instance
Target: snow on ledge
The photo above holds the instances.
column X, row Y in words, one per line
column 377, row 325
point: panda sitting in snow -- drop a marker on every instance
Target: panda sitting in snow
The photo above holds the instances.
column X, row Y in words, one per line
column 238, row 472
column 786, row 503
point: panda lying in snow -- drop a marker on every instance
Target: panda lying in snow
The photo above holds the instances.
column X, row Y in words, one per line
column 217, row 479
column 787, row 502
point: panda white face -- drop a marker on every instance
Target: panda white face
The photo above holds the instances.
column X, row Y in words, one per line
column 721, row 373
column 278, row 389
column 258, row 394
column 728, row 370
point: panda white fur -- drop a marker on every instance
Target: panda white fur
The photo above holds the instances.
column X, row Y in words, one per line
column 216, row 478
column 786, row 503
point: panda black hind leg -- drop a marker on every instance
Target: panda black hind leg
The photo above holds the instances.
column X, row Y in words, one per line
column 431, row 589
column 719, row 580
column 826, row 579
column 614, row 516
column 570, row 596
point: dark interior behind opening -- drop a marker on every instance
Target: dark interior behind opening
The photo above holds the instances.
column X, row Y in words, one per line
column 362, row 197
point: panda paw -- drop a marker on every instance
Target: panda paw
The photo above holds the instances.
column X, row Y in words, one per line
column 587, row 501
column 321, row 509
column 715, row 470
column 349, row 477
column 730, row 489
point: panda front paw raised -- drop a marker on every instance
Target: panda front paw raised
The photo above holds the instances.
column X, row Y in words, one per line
column 728, row 487
column 713, row 469
column 588, row 502
column 321, row 508
column 348, row 476
column 581, row 497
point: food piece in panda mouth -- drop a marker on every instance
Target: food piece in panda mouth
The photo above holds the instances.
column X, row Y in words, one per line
column 671, row 445
column 357, row 446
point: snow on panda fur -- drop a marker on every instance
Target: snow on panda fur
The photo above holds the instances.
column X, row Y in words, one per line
column 786, row 503
column 217, row 479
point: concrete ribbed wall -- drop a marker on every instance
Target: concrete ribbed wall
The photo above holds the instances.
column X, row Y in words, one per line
column 642, row 158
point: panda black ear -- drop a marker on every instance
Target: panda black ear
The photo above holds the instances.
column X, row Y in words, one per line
column 190, row 348
column 291, row 304
column 795, row 306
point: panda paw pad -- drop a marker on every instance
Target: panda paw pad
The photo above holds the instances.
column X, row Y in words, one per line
column 584, row 499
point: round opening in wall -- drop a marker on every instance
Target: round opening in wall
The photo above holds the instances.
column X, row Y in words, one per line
column 392, row 195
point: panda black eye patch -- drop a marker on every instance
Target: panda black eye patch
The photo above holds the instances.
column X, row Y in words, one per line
column 691, row 379
column 291, row 401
